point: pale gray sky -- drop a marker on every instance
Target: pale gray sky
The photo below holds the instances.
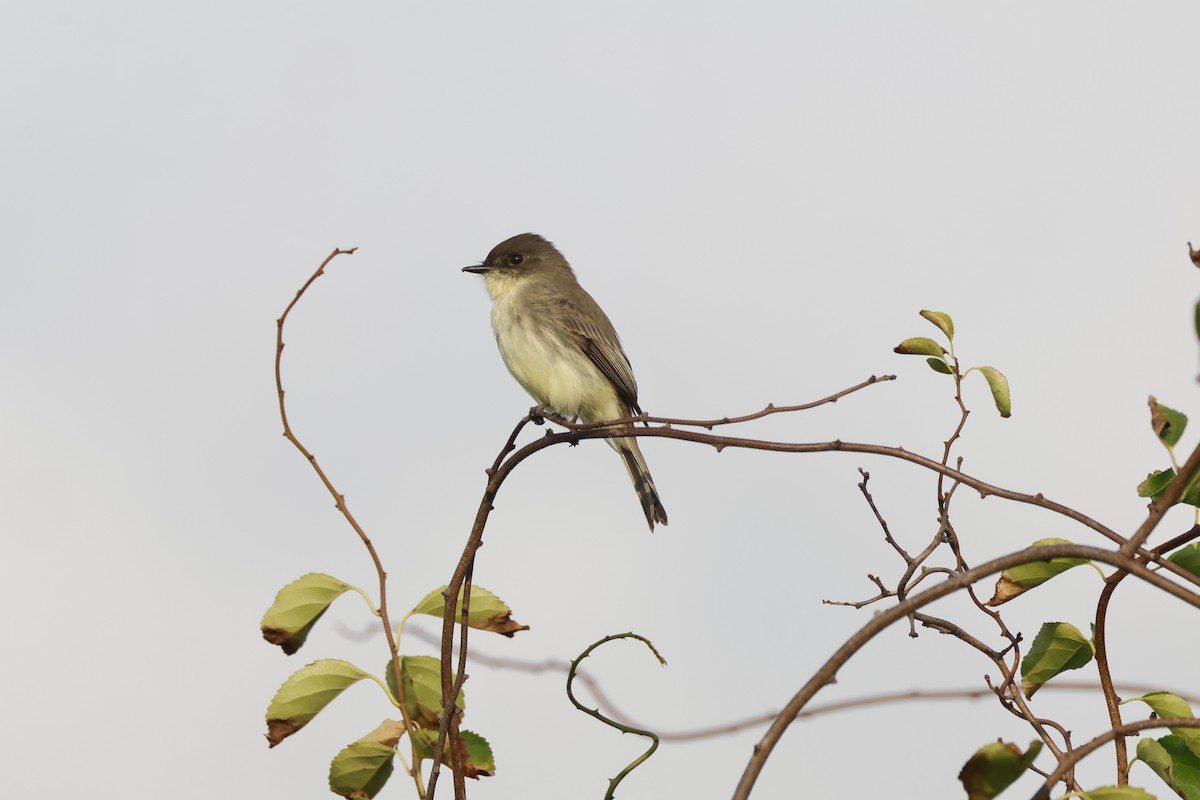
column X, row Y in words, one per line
column 761, row 195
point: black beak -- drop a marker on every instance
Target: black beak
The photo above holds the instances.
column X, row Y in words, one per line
column 478, row 269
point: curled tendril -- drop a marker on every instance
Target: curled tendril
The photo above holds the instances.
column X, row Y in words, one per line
column 612, row 784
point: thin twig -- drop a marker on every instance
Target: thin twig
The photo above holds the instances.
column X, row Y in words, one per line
column 1100, row 640
column 709, row 424
column 560, row 666
column 340, row 500
column 1117, row 732
column 828, row 671
column 612, row 784
column 887, row 534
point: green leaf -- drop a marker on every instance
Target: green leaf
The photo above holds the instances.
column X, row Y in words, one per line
column 487, row 612
column 479, row 762
column 939, row 365
column 388, row 733
column 1058, row 647
column 1117, row 793
column 999, row 386
column 297, row 608
column 919, row 346
column 389, row 677
column 422, row 676
column 1166, row 704
column 942, row 320
column 479, row 754
column 1191, row 493
column 1187, row 557
column 361, row 769
column 306, row 693
column 1022, row 578
column 1156, row 482
column 993, row 767
column 1172, row 761
column 1157, row 758
column 1168, row 424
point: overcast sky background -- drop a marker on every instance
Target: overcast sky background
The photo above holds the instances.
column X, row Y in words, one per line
column 762, row 196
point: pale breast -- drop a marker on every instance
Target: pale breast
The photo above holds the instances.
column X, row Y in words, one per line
column 549, row 365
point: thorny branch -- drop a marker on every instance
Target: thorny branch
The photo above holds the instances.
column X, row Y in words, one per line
column 1130, row 558
column 340, row 502
column 453, row 679
column 507, row 460
column 827, row 673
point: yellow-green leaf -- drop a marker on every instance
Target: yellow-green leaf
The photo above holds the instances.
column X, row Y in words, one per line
column 487, row 612
column 297, row 608
column 1000, row 392
column 994, row 766
column 361, row 769
column 422, row 676
column 1168, row 424
column 942, row 320
column 1172, row 761
column 939, row 365
column 1187, row 557
column 1155, row 756
column 1166, row 704
column 1022, row 578
column 1156, row 482
column 1117, row 793
column 1058, row 647
column 306, row 693
column 919, row 346
column 479, row 759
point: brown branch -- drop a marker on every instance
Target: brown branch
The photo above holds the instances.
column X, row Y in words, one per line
column 883, row 619
column 448, row 723
column 771, row 408
column 887, row 534
column 1118, row 732
column 1100, row 640
column 501, row 467
column 507, row 460
column 721, row 442
column 340, row 499
column 1006, row 692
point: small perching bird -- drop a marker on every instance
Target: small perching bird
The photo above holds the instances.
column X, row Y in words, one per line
column 560, row 346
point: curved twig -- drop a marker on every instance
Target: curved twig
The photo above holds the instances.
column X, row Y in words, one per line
column 1118, row 732
column 340, row 499
column 539, row 667
column 612, row 784
column 882, row 619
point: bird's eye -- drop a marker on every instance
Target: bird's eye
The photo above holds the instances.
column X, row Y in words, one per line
column 515, row 258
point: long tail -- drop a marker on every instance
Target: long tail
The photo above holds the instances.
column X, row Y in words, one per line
column 643, row 484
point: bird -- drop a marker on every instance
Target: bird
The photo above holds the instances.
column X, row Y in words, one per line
column 561, row 347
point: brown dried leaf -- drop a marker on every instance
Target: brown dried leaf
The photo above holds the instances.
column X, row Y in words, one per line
column 280, row 729
column 1006, row 590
